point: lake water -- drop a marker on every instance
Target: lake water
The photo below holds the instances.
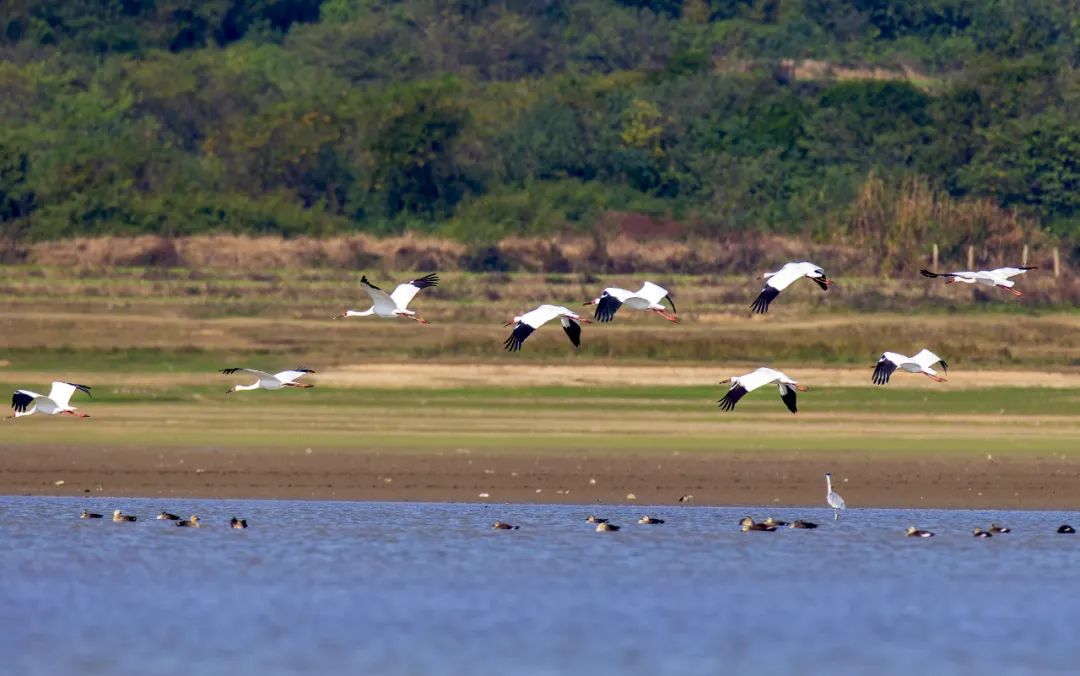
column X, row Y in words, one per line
column 398, row 588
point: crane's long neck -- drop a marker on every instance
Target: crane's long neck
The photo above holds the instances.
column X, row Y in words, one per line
column 828, row 484
column 239, row 388
column 357, row 313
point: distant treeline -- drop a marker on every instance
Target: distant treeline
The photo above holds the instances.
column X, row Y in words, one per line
column 865, row 121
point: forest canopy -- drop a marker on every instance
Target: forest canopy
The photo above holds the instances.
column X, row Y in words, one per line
column 482, row 119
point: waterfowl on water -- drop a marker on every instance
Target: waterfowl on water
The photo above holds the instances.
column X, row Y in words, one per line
column 117, row 515
column 605, row 526
column 649, row 520
column 980, row 533
column 773, row 522
column 89, row 515
column 799, row 523
column 994, row 528
column 165, row 516
column 237, row 523
column 1066, row 528
column 913, row 532
column 592, row 518
column 502, row 525
column 746, row 521
column 192, row 522
column 747, row 527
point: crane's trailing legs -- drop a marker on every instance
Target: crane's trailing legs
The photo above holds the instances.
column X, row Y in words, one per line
column 1010, row 290
column 671, row 318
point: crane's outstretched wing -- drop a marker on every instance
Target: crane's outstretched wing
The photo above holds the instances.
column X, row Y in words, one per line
column 290, row 376
column 607, row 307
column 656, row 294
column 22, row 399
column 61, row 392
column 260, row 374
column 517, row 337
column 1012, row 272
column 404, row 293
column 767, row 295
column 573, row 329
column 926, row 359
column 883, row 371
column 788, row 394
column 732, row 397
column 382, row 300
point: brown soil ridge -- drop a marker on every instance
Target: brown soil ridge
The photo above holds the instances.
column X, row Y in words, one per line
column 967, row 481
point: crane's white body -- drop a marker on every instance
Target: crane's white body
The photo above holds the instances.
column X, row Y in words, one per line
column 649, row 297
column 833, row 498
column 775, row 282
column 922, row 362
column 525, row 324
column 27, row 402
column 267, row 381
column 744, row 384
column 791, row 272
column 999, row 277
column 395, row 304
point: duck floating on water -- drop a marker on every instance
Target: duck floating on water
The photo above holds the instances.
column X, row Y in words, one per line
column 799, row 523
column 502, row 525
column 605, row 526
column 913, row 532
column 192, row 522
column 773, row 522
column 237, row 523
column 1066, row 528
column 994, row 528
column 592, row 518
column 165, row 516
column 746, row 524
column 117, row 515
column 650, row 520
column 980, row 533
column 89, row 515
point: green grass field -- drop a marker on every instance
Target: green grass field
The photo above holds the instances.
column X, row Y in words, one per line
column 592, row 420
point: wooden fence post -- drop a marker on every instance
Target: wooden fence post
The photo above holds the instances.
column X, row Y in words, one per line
column 935, row 265
column 971, row 257
column 1057, row 263
column 1024, row 257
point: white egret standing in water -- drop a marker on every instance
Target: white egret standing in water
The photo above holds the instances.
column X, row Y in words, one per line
column 832, row 497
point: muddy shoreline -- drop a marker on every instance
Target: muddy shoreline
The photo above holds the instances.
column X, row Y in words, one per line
column 715, row 478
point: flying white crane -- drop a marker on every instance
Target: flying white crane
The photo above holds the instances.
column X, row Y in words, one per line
column 525, row 324
column 999, row 277
column 390, row 305
column 649, row 297
column 267, row 381
column 26, row 402
column 833, row 498
column 783, row 278
column 920, row 363
column 740, row 385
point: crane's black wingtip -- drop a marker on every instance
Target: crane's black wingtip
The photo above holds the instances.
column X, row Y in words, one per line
column 926, row 273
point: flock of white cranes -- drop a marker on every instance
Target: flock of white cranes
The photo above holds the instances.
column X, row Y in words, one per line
column 650, row 297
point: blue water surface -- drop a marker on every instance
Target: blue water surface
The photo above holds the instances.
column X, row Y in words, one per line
column 406, row 588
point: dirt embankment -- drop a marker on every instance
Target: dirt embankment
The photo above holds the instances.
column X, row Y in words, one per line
column 727, row 478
